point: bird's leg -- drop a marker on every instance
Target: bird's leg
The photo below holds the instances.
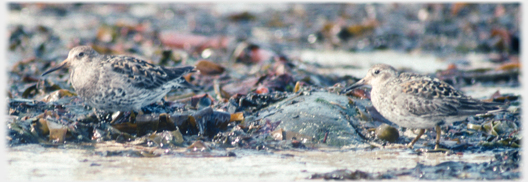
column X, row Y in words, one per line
column 438, row 132
column 420, row 133
column 437, row 141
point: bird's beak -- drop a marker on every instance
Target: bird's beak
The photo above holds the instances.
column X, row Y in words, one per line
column 61, row 65
column 358, row 84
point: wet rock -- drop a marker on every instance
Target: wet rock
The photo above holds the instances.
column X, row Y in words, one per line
column 387, row 132
column 281, row 134
column 315, row 115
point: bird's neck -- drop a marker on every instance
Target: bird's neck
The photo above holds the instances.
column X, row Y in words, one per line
column 379, row 88
column 90, row 78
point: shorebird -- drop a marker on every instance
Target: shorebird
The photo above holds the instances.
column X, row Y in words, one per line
column 119, row 83
column 417, row 101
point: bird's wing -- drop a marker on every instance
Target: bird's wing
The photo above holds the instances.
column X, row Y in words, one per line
column 432, row 97
column 142, row 74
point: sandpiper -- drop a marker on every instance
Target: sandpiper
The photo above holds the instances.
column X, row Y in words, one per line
column 119, row 83
column 417, row 101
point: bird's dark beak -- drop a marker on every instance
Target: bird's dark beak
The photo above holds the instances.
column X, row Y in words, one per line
column 61, row 65
column 358, row 84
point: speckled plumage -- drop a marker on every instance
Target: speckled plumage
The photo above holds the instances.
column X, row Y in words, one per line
column 417, row 101
column 119, row 83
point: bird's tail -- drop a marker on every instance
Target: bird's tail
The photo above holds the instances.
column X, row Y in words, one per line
column 191, row 86
column 471, row 106
column 182, row 71
column 495, row 107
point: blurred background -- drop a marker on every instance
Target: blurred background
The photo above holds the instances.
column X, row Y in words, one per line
column 447, row 29
column 341, row 38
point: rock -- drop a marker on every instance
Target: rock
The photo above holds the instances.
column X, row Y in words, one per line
column 315, row 115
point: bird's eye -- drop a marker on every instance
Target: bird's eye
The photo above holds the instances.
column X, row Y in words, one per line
column 376, row 72
column 81, row 54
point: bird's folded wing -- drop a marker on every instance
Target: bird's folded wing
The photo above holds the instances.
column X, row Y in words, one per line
column 437, row 98
column 142, row 74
